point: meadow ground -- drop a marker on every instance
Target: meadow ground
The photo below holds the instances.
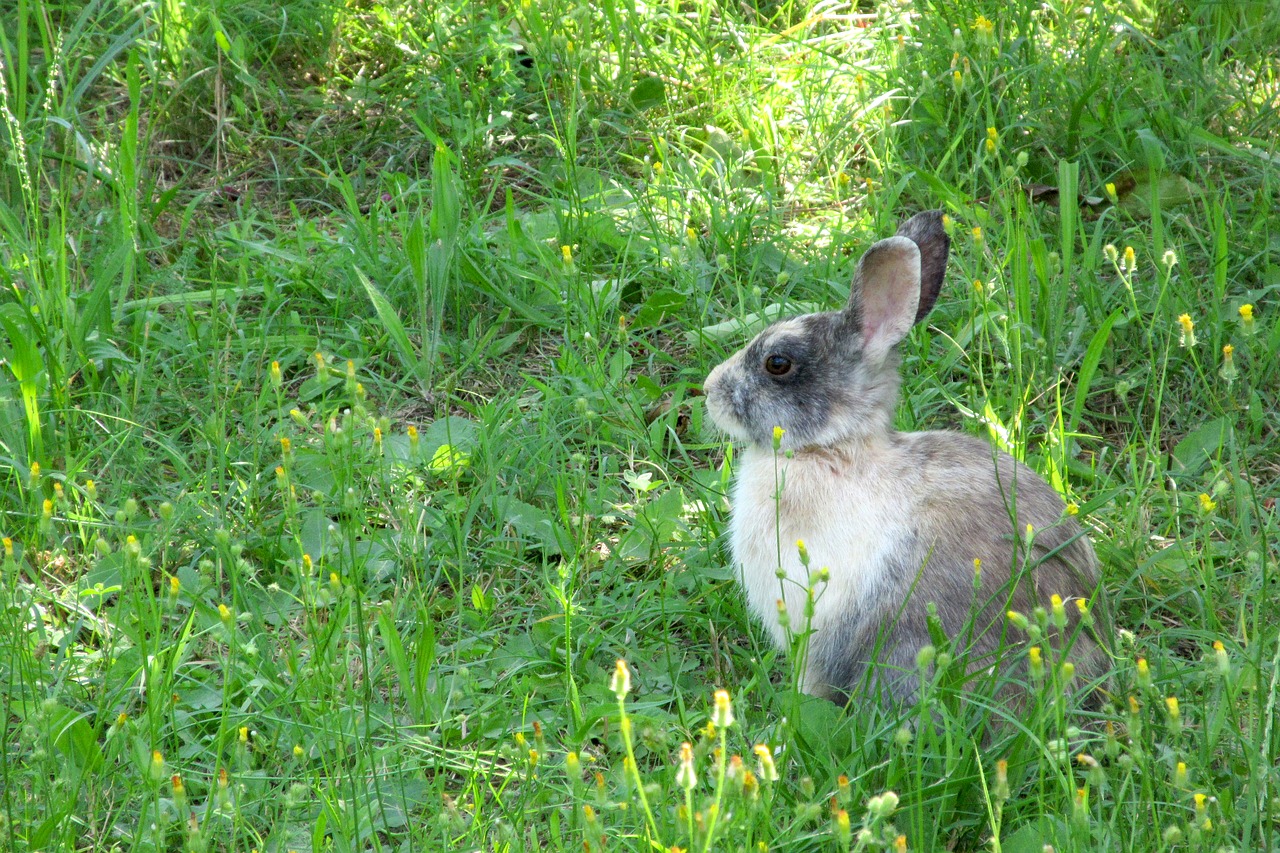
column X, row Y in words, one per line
column 349, row 433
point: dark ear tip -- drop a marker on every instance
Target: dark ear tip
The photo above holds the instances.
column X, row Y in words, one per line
column 925, row 226
column 927, row 231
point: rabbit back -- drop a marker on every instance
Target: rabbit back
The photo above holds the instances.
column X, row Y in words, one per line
column 898, row 523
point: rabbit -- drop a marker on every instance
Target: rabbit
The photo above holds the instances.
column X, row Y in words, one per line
column 897, row 519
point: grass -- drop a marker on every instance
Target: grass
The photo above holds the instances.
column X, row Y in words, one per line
column 349, row 433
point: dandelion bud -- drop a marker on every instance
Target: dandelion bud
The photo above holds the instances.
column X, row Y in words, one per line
column 1144, row 674
column 844, row 832
column 621, row 683
column 957, row 80
column 175, row 586
column 686, row 776
column 157, row 765
column 768, row 771
column 1002, row 780
column 784, row 618
column 1130, row 259
column 224, row 613
column 1017, row 620
column 1059, row 611
column 1180, row 774
column 778, row 433
column 566, row 252
column 977, row 235
column 804, row 553
column 1174, row 714
column 984, row 29
column 1188, row 331
column 7, row 542
column 277, row 379
column 573, row 766
column 925, row 657
column 1220, row 658
column 977, row 573
column 320, row 365
column 1228, row 371
column 335, row 583
column 844, row 792
column 722, row 716
column 1246, row 319
column 1086, row 618
column 1037, row 663
column 948, row 225
column 1110, row 189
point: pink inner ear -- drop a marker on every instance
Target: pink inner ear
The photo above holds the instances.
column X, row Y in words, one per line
column 889, row 278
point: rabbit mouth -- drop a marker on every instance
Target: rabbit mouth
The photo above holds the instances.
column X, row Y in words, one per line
column 721, row 409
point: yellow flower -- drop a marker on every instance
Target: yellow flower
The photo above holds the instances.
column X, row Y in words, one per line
column 1073, row 508
column 1144, row 673
column 984, row 28
column 621, row 684
column 1207, row 504
column 276, row 378
column 224, row 613
column 778, row 433
column 768, row 770
column 843, row 830
column 1188, row 337
column 723, row 714
column 1228, row 371
column 977, row 235
column 1111, row 193
column 1246, row 318
column 1171, row 705
column 1130, row 259
column 686, row 776
column 1037, row 663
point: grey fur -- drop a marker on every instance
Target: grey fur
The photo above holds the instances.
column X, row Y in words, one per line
column 907, row 512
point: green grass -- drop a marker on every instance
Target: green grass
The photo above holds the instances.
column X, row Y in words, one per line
column 349, row 432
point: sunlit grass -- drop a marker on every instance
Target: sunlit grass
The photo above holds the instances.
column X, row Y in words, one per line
column 355, row 487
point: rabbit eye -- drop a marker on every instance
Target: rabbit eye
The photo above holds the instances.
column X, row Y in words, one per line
column 777, row 365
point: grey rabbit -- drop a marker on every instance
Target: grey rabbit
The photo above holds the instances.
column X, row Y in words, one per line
column 898, row 519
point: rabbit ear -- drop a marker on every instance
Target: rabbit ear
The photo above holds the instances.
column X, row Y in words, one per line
column 926, row 231
column 886, row 293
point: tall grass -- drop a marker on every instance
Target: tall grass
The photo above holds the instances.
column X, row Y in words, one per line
column 356, row 492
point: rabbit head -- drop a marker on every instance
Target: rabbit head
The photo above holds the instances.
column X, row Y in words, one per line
column 833, row 376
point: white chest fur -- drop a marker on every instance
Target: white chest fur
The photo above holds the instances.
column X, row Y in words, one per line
column 848, row 514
